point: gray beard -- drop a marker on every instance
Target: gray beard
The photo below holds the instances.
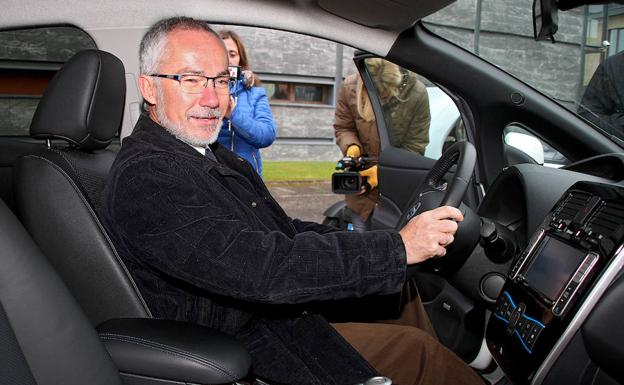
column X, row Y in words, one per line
column 179, row 131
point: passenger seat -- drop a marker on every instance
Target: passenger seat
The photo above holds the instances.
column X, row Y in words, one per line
column 45, row 337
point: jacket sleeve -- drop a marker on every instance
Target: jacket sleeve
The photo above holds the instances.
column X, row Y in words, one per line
column 417, row 135
column 345, row 129
column 252, row 118
column 191, row 230
column 303, row 226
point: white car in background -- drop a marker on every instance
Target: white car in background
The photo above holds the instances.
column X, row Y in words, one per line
column 444, row 118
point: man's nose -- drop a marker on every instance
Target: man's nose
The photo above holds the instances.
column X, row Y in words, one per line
column 209, row 97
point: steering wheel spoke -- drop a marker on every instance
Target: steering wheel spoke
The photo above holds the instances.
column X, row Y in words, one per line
column 439, row 188
column 462, row 154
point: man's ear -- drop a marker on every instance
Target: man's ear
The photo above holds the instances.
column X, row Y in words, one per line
column 148, row 88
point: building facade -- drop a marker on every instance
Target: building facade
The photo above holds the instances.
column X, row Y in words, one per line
column 302, row 74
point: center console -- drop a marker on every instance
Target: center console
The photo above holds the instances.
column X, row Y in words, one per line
column 554, row 284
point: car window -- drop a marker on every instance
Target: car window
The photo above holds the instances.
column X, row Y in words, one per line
column 419, row 116
column 301, row 76
column 589, row 40
column 29, row 58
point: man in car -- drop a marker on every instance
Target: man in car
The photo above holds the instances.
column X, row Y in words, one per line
column 206, row 242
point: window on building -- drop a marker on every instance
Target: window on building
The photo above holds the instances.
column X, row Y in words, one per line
column 29, row 58
column 304, row 93
column 616, row 39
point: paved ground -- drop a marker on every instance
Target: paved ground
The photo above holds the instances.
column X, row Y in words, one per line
column 304, row 200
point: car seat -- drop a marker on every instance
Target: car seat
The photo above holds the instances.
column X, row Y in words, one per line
column 45, row 337
column 57, row 190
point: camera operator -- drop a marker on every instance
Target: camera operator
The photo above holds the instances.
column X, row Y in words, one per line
column 405, row 101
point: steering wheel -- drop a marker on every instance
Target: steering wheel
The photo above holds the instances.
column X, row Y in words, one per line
column 436, row 191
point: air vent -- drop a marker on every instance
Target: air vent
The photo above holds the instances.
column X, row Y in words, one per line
column 573, row 203
column 607, row 219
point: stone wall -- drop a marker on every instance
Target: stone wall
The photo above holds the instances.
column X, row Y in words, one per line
column 16, row 115
column 50, row 46
column 304, row 132
column 506, row 40
column 279, row 52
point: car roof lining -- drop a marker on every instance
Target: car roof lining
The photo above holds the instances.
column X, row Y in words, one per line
column 349, row 22
column 389, row 14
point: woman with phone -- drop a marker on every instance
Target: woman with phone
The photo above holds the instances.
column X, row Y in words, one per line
column 250, row 125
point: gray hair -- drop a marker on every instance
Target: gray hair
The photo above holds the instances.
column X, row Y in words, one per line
column 153, row 42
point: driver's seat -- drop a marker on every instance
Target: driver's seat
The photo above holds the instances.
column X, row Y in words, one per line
column 58, row 189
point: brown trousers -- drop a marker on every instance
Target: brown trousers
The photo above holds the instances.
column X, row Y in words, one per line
column 407, row 349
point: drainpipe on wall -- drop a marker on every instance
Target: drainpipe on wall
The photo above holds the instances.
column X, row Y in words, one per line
column 579, row 88
column 605, row 31
column 477, row 30
column 338, row 74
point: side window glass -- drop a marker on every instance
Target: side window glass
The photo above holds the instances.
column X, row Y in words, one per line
column 301, row 76
column 419, row 116
column 29, row 58
column 521, row 146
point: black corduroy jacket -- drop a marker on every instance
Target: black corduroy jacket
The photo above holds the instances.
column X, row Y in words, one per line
column 206, row 243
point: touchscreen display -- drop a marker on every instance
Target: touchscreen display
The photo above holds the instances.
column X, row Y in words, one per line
column 553, row 267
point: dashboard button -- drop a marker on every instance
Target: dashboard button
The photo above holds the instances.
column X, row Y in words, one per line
column 516, row 314
column 530, row 341
column 528, row 326
column 503, row 309
column 532, row 335
column 520, row 324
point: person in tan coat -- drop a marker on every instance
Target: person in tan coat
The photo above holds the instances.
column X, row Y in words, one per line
column 406, row 110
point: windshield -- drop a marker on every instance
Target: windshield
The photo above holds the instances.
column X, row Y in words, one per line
column 583, row 70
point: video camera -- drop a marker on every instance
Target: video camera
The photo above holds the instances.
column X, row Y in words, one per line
column 348, row 180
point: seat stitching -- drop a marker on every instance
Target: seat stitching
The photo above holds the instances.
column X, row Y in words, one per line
column 99, row 225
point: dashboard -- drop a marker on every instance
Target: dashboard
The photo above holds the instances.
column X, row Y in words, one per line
column 558, row 283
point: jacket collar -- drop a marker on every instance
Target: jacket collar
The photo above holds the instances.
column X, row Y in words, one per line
column 160, row 139
column 155, row 134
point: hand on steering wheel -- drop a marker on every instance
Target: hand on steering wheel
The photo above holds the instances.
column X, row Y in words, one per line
column 435, row 191
column 427, row 235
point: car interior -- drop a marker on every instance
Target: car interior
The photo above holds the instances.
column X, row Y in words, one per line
column 529, row 293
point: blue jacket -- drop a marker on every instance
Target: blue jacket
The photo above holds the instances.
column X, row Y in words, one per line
column 252, row 125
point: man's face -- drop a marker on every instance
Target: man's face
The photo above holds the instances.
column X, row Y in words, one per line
column 193, row 118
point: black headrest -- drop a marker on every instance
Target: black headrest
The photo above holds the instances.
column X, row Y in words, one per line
column 83, row 104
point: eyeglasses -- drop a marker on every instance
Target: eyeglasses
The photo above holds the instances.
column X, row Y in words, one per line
column 195, row 84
